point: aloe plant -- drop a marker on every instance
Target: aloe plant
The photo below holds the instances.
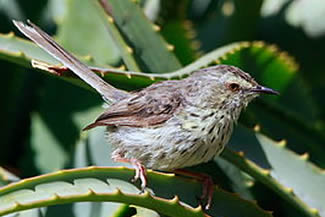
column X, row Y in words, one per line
column 272, row 166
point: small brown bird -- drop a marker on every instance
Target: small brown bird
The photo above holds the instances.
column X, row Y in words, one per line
column 171, row 124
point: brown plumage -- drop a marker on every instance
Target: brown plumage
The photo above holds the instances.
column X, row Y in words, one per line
column 151, row 106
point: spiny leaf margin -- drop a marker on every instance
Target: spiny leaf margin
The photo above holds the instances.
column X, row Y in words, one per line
column 170, row 207
column 264, row 176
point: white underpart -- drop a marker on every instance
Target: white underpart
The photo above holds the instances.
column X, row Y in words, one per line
column 154, row 148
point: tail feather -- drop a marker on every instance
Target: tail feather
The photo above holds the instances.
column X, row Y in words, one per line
column 45, row 41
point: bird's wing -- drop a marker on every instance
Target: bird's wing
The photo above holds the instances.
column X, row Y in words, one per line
column 151, row 106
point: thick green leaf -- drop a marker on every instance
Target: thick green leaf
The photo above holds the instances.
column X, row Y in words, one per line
column 178, row 30
column 74, row 34
column 125, row 50
column 21, row 51
column 110, row 184
column 300, row 176
column 148, row 47
column 240, row 181
column 258, row 165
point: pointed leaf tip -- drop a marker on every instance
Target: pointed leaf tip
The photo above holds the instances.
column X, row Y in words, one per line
column 282, row 143
column 304, row 156
column 175, row 200
column 257, row 128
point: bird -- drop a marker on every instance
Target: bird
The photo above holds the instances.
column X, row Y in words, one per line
column 169, row 125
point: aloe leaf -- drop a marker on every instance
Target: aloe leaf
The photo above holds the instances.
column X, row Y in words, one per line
column 178, row 29
column 147, row 45
column 7, row 177
column 21, row 51
column 299, row 176
column 179, row 32
column 74, row 35
column 240, row 182
column 125, row 50
column 253, row 158
column 109, row 184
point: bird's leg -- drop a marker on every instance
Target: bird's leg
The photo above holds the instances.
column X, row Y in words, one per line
column 140, row 170
column 207, row 182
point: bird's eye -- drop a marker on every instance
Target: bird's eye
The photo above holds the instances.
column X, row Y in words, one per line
column 233, row 86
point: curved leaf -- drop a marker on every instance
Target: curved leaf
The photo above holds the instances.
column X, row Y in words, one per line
column 21, row 51
column 299, row 176
column 266, row 164
column 74, row 35
column 148, row 47
column 109, row 184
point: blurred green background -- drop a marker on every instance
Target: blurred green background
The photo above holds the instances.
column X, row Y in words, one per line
column 42, row 116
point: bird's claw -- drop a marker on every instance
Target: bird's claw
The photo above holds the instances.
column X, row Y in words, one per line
column 140, row 173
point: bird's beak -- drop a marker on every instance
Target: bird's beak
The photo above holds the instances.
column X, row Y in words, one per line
column 261, row 89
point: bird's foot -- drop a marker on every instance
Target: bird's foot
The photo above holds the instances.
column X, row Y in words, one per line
column 140, row 170
column 207, row 185
column 140, row 173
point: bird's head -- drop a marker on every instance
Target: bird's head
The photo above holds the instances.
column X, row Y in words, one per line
column 228, row 87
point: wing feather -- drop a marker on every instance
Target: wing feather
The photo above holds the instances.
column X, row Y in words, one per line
column 151, row 106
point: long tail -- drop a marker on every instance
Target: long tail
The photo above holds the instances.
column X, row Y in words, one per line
column 45, row 41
